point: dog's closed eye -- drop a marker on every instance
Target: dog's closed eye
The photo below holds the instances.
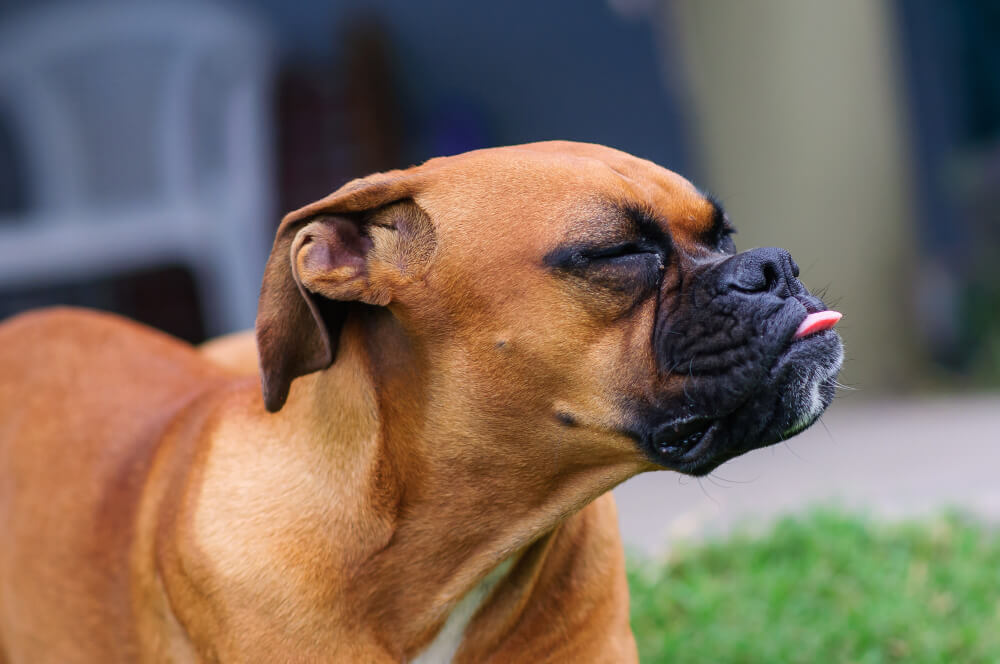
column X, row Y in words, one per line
column 627, row 271
column 620, row 251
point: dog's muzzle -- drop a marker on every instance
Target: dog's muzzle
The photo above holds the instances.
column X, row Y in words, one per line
column 754, row 355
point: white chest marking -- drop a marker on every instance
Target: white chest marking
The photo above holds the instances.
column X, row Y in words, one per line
column 445, row 644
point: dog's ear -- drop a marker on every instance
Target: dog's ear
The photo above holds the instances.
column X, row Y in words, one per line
column 319, row 263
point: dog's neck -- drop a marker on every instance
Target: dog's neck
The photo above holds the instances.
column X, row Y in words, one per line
column 437, row 513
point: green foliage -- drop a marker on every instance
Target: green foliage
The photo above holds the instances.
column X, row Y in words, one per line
column 825, row 588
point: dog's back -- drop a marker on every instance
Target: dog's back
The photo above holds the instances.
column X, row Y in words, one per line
column 84, row 397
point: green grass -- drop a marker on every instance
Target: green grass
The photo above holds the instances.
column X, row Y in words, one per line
column 826, row 587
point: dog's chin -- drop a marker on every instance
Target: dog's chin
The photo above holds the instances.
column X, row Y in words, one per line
column 795, row 393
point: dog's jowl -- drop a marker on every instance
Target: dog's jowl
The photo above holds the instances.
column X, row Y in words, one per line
column 456, row 363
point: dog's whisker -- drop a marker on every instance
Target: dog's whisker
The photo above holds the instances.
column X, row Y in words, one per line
column 785, row 443
column 825, row 428
column 732, row 481
column 707, row 494
column 717, row 481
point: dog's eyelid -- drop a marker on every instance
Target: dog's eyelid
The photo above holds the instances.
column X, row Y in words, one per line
column 584, row 260
column 622, row 249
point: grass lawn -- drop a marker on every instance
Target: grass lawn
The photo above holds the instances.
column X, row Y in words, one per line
column 826, row 587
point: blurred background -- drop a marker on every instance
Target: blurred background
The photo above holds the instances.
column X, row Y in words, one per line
column 148, row 150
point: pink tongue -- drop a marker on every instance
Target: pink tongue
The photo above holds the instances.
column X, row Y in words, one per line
column 817, row 322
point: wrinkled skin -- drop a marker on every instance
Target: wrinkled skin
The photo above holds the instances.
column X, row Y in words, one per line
column 730, row 329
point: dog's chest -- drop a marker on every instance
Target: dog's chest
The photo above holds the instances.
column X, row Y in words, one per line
column 442, row 649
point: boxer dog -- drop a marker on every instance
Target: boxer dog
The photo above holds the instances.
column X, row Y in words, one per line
column 458, row 361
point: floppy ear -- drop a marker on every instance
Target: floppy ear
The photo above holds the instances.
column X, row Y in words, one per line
column 317, row 266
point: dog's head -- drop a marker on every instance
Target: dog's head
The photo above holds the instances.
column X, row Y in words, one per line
column 561, row 292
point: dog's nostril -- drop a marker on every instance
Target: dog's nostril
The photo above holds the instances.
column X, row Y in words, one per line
column 763, row 270
column 771, row 276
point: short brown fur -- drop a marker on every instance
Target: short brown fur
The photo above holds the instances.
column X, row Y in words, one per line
column 154, row 510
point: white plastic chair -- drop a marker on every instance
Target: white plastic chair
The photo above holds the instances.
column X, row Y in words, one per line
column 147, row 135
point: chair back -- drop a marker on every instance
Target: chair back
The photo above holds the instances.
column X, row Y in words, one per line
column 130, row 103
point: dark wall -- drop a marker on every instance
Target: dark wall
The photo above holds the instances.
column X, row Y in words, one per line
column 524, row 70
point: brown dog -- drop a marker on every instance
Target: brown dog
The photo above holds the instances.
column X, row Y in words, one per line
column 458, row 362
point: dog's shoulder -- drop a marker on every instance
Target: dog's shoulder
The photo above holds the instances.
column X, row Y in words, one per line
column 92, row 348
column 95, row 383
column 237, row 352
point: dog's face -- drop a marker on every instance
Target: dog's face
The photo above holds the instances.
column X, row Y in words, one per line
column 571, row 292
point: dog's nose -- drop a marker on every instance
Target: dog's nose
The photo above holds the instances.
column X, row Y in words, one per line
column 770, row 269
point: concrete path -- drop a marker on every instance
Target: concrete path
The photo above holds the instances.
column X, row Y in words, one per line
column 890, row 458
